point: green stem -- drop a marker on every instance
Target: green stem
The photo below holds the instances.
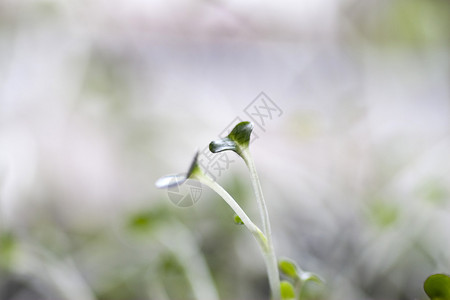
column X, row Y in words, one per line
column 254, row 230
column 266, row 248
column 271, row 261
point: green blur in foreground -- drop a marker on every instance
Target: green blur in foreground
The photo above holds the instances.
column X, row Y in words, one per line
column 437, row 287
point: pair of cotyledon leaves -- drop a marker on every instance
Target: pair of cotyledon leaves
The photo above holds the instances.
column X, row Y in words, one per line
column 291, row 271
column 237, row 141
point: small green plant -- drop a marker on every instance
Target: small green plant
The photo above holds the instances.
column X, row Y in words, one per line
column 238, row 141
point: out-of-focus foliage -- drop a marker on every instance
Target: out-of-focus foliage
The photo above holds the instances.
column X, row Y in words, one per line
column 287, row 290
column 437, row 286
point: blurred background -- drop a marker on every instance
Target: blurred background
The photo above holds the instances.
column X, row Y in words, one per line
column 98, row 99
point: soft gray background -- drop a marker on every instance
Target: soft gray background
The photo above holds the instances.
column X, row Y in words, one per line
column 98, row 99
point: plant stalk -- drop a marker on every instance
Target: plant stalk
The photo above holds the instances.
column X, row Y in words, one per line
column 271, row 261
column 254, row 230
column 263, row 242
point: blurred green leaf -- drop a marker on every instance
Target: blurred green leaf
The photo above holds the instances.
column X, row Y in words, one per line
column 415, row 23
column 437, row 287
column 383, row 214
column 141, row 221
column 169, row 263
column 287, row 290
column 8, row 247
column 172, row 275
column 145, row 221
column 435, row 192
column 312, row 289
column 288, row 268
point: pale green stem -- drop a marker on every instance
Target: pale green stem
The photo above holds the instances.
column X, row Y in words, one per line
column 254, row 230
column 266, row 248
column 272, row 265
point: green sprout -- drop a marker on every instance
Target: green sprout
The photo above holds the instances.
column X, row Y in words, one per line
column 238, row 141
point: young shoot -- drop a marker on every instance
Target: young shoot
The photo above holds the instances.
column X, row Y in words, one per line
column 238, row 141
column 196, row 173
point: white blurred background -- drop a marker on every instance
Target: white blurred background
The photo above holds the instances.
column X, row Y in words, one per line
column 99, row 99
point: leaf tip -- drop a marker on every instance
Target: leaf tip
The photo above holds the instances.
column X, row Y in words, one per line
column 173, row 180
